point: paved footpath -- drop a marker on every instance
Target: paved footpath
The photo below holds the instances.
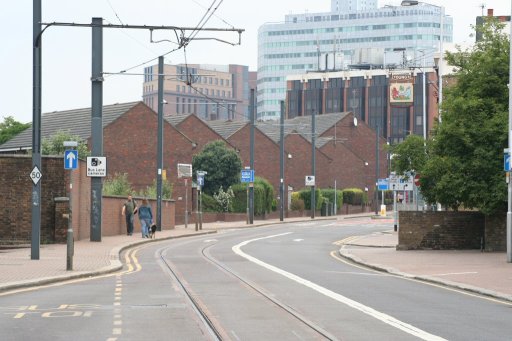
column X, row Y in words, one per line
column 486, row 273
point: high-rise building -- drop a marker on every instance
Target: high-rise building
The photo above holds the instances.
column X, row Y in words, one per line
column 212, row 92
column 365, row 37
column 352, row 5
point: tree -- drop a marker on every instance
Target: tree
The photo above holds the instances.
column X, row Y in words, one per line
column 222, row 164
column 54, row 144
column 410, row 155
column 10, row 128
column 466, row 163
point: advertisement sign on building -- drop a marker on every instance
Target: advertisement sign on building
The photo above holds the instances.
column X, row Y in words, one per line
column 401, row 88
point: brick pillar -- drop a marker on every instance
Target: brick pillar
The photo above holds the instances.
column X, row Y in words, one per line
column 61, row 219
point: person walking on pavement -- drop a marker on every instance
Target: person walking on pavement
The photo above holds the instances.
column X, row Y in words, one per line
column 129, row 210
column 145, row 217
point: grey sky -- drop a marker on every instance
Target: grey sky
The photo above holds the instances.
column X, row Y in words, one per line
column 67, row 50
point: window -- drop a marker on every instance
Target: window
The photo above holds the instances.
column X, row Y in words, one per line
column 177, row 105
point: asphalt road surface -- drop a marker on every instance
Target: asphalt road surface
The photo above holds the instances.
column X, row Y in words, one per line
column 281, row 282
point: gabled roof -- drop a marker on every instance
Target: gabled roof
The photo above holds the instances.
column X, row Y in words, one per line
column 302, row 126
column 175, row 120
column 226, row 128
column 76, row 122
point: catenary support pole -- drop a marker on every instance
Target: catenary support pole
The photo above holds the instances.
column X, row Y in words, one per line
column 160, row 143
column 281, row 164
column 251, row 186
column 509, row 210
column 313, row 162
column 36, row 130
column 96, row 125
column 377, row 133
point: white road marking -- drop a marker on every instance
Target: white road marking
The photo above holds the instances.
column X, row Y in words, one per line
column 390, row 320
column 210, row 240
column 298, row 240
column 116, row 331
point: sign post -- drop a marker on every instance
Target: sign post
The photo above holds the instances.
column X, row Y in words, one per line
column 185, row 171
column 200, row 183
column 70, row 163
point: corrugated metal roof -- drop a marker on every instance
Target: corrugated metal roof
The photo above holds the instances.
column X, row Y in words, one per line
column 76, row 122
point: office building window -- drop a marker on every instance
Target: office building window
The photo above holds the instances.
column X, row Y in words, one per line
column 334, row 97
column 177, row 105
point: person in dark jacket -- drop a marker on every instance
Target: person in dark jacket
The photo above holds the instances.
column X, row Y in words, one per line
column 129, row 209
column 145, row 217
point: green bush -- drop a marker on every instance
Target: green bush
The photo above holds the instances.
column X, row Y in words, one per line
column 329, row 195
column 209, row 204
column 117, row 185
column 297, row 203
column 263, row 197
column 305, row 195
column 355, row 196
column 150, row 191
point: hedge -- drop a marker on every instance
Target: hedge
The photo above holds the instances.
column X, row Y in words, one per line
column 305, row 194
column 328, row 194
column 263, row 197
column 355, row 196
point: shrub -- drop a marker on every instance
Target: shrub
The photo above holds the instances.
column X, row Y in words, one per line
column 224, row 199
column 117, row 185
column 150, row 191
column 263, row 197
column 355, row 196
column 329, row 195
column 305, row 195
column 297, row 203
column 209, row 204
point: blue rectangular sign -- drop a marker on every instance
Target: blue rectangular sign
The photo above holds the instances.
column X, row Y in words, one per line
column 383, row 184
column 506, row 162
column 71, row 159
column 247, row 175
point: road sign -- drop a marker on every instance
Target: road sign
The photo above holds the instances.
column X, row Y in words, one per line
column 417, row 180
column 400, row 183
column 506, row 160
column 71, row 159
column 97, row 166
column 382, row 184
column 247, row 175
column 310, row 180
column 184, row 170
column 35, row 175
column 200, row 181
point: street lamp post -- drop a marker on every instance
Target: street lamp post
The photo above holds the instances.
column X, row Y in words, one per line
column 441, row 49
column 509, row 210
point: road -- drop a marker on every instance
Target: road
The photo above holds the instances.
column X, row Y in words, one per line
column 281, row 282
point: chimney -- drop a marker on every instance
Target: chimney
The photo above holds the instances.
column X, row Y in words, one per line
column 490, row 12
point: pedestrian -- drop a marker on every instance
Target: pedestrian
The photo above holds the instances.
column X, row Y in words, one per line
column 129, row 210
column 145, row 217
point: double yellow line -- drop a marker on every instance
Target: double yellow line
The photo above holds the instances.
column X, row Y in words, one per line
column 347, row 240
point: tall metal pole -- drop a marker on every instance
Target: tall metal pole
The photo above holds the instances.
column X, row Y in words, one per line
column 509, row 211
column 160, row 143
column 97, row 125
column 251, row 186
column 36, row 129
column 424, row 99
column 281, row 164
column 440, row 66
column 376, row 192
column 313, row 162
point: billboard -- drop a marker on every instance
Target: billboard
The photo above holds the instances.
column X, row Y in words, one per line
column 401, row 89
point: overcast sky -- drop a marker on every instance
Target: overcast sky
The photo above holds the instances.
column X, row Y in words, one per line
column 67, row 50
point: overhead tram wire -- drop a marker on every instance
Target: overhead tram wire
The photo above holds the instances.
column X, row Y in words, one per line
column 204, row 16
column 218, row 17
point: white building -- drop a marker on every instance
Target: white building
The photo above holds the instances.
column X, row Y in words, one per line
column 355, row 34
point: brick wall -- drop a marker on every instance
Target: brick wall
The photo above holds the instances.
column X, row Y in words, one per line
column 496, row 232
column 440, row 230
column 16, row 204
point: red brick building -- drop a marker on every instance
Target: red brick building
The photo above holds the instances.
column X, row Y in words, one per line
column 345, row 152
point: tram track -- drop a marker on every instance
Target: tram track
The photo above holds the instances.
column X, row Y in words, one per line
column 211, row 324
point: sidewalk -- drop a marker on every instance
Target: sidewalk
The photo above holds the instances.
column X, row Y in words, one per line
column 486, row 273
